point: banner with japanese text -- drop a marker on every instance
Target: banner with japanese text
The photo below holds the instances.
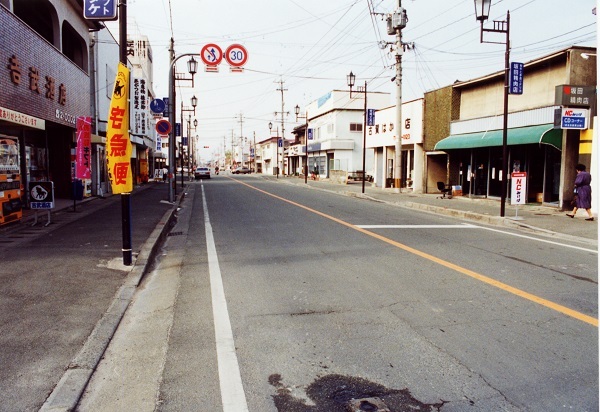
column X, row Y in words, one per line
column 118, row 144
column 83, row 155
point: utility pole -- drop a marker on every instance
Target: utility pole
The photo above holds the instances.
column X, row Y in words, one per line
column 241, row 122
column 395, row 23
column 282, row 112
column 232, row 156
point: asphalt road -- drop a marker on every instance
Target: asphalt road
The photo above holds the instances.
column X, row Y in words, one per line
column 269, row 297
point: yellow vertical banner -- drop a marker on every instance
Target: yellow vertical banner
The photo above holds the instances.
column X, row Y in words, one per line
column 118, row 144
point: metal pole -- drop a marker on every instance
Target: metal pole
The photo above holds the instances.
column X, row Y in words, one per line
column 172, row 142
column 306, row 150
column 505, row 120
column 171, row 173
column 125, row 197
column 364, row 153
column 398, row 155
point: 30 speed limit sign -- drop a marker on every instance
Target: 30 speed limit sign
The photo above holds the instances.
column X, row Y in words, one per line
column 236, row 55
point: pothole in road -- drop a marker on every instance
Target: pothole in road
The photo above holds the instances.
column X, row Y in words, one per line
column 338, row 393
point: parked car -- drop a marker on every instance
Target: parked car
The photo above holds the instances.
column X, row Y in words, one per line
column 202, row 173
column 241, row 170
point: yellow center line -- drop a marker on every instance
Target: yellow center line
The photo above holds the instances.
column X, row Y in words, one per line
column 485, row 279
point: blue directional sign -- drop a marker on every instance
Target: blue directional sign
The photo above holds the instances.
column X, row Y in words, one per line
column 100, row 9
column 515, row 81
column 370, row 117
column 157, row 106
column 166, row 112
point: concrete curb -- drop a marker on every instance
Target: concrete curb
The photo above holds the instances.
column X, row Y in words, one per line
column 71, row 386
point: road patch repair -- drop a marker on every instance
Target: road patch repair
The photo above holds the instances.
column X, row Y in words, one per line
column 338, row 393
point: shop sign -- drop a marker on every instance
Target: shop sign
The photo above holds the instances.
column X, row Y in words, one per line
column 574, row 118
column 22, row 119
column 35, row 77
column 518, row 193
column 139, row 107
column 100, row 9
column 41, row 195
column 118, row 144
column 516, row 78
column 83, row 157
column 568, row 95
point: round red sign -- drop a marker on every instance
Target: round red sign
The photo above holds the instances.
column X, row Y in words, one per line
column 236, row 55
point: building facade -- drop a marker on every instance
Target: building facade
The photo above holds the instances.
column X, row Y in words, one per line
column 335, row 125
column 472, row 139
column 44, row 86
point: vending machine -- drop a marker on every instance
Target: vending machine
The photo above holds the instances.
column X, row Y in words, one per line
column 11, row 206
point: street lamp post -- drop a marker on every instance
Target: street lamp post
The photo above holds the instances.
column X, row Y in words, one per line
column 351, row 77
column 297, row 112
column 192, row 69
column 482, row 13
column 194, row 101
column 276, row 149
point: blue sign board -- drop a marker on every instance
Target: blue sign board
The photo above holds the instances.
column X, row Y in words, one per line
column 157, row 106
column 280, row 142
column 309, row 132
column 177, row 129
column 570, row 122
column 100, row 9
column 185, row 141
column 515, row 80
column 370, row 117
column 166, row 112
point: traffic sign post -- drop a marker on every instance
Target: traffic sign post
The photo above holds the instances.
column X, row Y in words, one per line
column 163, row 127
column 212, row 55
column 236, row 55
column 157, row 106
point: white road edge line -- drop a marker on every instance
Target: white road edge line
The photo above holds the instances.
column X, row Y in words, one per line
column 469, row 226
column 230, row 379
column 465, row 226
column 540, row 240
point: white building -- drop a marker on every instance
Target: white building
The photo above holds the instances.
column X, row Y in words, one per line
column 335, row 122
column 382, row 138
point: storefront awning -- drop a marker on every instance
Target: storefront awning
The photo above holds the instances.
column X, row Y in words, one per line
column 544, row 133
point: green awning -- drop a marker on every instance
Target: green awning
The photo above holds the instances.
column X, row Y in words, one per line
column 544, row 133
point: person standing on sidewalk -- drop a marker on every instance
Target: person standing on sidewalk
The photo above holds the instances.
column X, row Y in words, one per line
column 583, row 192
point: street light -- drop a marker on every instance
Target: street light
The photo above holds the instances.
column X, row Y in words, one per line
column 297, row 112
column 192, row 69
column 482, row 13
column 276, row 149
column 350, row 79
column 194, row 101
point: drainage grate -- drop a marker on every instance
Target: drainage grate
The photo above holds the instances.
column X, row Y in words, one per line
column 175, row 234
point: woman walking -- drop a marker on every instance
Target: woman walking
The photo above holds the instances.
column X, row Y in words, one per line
column 583, row 192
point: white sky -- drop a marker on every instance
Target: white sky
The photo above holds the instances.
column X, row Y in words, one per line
column 313, row 44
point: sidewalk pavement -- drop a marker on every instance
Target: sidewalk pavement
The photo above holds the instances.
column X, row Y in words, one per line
column 64, row 305
column 533, row 218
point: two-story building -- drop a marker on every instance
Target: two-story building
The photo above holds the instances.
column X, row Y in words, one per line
column 463, row 129
column 44, row 86
column 335, row 131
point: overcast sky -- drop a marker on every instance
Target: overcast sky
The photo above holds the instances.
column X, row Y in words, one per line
column 313, row 44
